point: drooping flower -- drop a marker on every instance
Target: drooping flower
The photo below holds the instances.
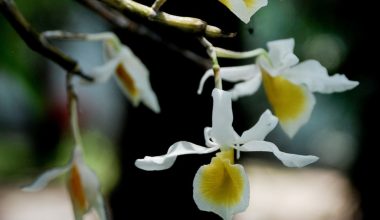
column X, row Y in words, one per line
column 82, row 184
column 244, row 9
column 131, row 74
column 287, row 83
column 222, row 186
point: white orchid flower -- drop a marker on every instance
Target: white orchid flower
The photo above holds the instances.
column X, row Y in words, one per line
column 131, row 74
column 244, row 9
column 222, row 187
column 82, row 184
column 287, row 83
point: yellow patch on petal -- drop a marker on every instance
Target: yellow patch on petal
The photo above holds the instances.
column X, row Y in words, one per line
column 76, row 189
column 226, row 3
column 127, row 81
column 221, row 182
column 249, row 3
column 288, row 100
column 227, row 154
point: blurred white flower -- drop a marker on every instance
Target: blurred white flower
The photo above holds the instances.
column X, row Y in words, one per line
column 131, row 74
column 82, row 184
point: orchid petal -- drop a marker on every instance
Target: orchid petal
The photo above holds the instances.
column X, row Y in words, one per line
column 42, row 181
column 100, row 208
column 246, row 88
column 232, row 74
column 292, row 103
column 77, row 191
column 239, row 73
column 164, row 162
column 221, row 187
column 260, row 130
column 104, row 72
column 133, row 78
column 239, row 8
column 281, row 53
column 315, row 77
column 254, row 5
column 208, row 139
column 289, row 160
column 244, row 9
column 149, row 98
column 205, row 76
column 222, row 131
column 128, row 84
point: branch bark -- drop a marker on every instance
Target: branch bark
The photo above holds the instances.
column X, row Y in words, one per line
column 187, row 24
column 120, row 21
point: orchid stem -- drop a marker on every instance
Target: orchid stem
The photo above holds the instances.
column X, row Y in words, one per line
column 157, row 5
column 72, row 99
column 223, row 53
column 214, row 59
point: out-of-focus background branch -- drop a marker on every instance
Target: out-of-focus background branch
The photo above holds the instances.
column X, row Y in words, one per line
column 36, row 41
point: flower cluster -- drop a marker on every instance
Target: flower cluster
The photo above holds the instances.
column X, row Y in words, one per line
column 222, row 186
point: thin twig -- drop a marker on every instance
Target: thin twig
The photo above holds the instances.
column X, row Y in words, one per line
column 38, row 42
column 72, row 104
column 187, row 24
column 119, row 20
column 214, row 59
column 157, row 5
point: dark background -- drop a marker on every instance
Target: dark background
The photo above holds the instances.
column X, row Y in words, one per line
column 168, row 194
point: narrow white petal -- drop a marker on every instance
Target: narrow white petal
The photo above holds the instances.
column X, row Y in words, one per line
column 205, row 76
column 281, row 53
column 90, row 183
column 164, row 162
column 104, row 72
column 246, row 88
column 149, row 98
column 315, row 77
column 256, row 6
column 232, row 74
column 100, row 208
column 260, row 130
column 289, row 160
column 222, row 131
column 42, row 181
column 239, row 73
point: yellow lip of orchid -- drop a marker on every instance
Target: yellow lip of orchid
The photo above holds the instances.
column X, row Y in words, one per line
column 222, row 186
column 244, row 9
column 82, row 184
